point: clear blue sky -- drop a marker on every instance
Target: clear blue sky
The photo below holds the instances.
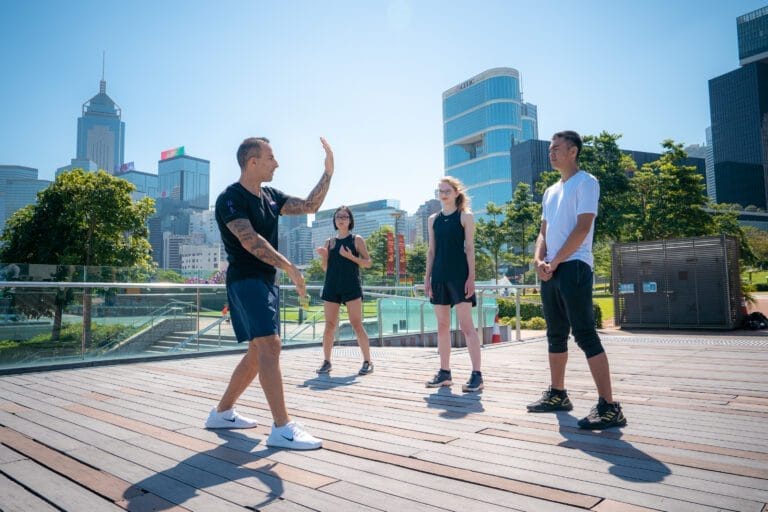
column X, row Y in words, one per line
column 367, row 75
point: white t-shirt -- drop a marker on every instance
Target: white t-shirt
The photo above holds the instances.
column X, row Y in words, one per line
column 561, row 205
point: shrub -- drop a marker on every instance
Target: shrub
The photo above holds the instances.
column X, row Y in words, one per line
column 598, row 316
column 536, row 323
column 527, row 310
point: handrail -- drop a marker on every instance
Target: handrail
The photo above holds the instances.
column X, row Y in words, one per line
column 185, row 342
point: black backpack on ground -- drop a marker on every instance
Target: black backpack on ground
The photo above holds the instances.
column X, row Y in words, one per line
column 755, row 321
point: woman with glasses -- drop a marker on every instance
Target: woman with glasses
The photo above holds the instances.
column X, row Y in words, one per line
column 450, row 279
column 341, row 257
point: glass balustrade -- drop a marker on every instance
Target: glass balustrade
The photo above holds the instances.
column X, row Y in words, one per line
column 44, row 308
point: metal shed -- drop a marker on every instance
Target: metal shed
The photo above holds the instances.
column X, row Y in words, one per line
column 685, row 283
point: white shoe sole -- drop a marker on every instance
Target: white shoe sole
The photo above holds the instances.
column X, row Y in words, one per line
column 281, row 442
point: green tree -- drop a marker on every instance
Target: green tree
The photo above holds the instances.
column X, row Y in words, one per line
column 758, row 242
column 546, row 180
column 377, row 248
column 522, row 215
column 601, row 157
column 168, row 276
column 725, row 219
column 416, row 262
column 315, row 272
column 491, row 239
column 83, row 219
column 669, row 199
column 484, row 267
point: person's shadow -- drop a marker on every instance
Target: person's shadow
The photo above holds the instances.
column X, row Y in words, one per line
column 454, row 406
column 629, row 463
column 324, row 382
column 223, row 464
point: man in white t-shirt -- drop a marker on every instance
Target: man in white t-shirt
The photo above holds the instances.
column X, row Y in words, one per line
column 563, row 261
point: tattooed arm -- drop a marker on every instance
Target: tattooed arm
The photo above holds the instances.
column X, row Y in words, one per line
column 262, row 249
column 298, row 206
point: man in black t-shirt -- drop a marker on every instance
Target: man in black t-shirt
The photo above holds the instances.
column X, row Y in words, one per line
column 247, row 215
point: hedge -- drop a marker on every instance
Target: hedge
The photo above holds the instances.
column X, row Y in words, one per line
column 530, row 310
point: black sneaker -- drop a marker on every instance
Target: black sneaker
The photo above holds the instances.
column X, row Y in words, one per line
column 441, row 378
column 366, row 368
column 325, row 368
column 551, row 400
column 475, row 383
column 603, row 415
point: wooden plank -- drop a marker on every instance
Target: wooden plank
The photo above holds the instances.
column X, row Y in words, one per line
column 54, row 488
column 8, row 455
column 435, row 490
column 15, row 498
column 157, row 483
column 617, row 506
column 303, row 413
column 96, row 481
column 518, row 487
column 383, row 501
column 288, row 473
column 664, row 456
column 41, row 433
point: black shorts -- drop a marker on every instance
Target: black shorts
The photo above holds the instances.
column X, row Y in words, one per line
column 254, row 307
column 450, row 293
column 340, row 297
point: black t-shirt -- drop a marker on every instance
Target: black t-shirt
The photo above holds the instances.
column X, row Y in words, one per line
column 263, row 212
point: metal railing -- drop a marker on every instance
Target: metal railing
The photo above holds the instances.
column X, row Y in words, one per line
column 140, row 315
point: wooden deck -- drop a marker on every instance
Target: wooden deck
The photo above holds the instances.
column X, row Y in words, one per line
column 130, row 437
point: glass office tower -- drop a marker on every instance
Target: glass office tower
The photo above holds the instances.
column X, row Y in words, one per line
column 752, row 31
column 738, row 108
column 100, row 132
column 186, row 179
column 483, row 117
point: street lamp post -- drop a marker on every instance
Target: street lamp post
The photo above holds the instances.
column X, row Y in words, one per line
column 396, row 216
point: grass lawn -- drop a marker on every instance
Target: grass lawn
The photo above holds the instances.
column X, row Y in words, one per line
column 756, row 277
column 605, row 301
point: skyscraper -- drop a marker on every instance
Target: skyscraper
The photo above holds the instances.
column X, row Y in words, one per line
column 483, row 117
column 738, row 107
column 18, row 188
column 100, row 132
column 185, row 178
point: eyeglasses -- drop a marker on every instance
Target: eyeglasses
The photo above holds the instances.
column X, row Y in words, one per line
column 445, row 190
column 342, row 217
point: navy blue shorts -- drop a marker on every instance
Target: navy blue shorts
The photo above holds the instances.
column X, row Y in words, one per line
column 254, row 307
column 340, row 298
column 450, row 293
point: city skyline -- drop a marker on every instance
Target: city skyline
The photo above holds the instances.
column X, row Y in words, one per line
column 368, row 77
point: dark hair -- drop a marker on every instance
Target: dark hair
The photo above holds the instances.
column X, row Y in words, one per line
column 248, row 148
column 343, row 208
column 573, row 139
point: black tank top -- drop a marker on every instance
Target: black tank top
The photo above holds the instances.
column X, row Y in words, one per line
column 450, row 262
column 343, row 275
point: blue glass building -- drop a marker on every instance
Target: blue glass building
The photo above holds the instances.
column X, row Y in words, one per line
column 100, row 132
column 18, row 188
column 185, row 178
column 483, row 117
column 738, row 108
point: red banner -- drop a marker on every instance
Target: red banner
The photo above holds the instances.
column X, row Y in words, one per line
column 401, row 253
column 390, row 253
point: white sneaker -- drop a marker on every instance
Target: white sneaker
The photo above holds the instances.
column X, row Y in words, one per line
column 228, row 419
column 292, row 435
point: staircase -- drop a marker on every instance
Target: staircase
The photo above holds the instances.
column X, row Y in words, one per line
column 206, row 341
